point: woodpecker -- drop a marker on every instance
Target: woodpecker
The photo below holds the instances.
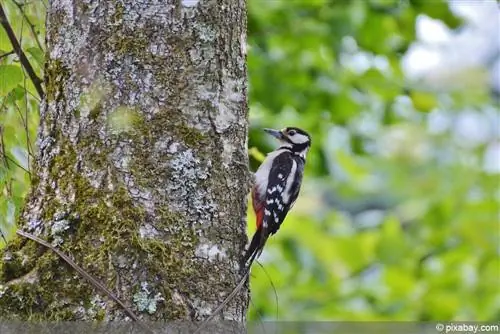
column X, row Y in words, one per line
column 277, row 186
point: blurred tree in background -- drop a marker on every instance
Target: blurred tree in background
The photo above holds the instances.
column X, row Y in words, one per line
column 399, row 214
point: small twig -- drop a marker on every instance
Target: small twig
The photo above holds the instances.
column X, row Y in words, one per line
column 37, row 82
column 274, row 289
column 7, row 54
column 4, row 101
column 24, row 119
column 34, row 96
column 85, row 275
column 26, row 104
column 32, row 26
column 15, row 162
column 2, row 148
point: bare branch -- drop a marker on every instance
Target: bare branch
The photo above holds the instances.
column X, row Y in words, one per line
column 7, row 54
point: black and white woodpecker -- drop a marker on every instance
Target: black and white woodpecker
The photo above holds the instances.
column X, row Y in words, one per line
column 277, row 186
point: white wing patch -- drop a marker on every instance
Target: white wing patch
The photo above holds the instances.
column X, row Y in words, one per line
column 289, row 183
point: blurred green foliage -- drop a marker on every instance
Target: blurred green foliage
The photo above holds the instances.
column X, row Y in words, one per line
column 396, row 221
column 19, row 107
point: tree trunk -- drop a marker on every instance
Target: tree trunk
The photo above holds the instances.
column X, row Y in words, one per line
column 141, row 174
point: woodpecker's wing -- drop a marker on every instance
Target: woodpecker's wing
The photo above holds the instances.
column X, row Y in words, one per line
column 282, row 189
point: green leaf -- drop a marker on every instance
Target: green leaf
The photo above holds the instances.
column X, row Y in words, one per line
column 375, row 81
column 37, row 54
column 5, row 45
column 10, row 77
column 437, row 9
column 423, row 101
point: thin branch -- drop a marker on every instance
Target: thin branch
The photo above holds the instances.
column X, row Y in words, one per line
column 37, row 82
column 34, row 96
column 4, row 101
column 7, row 54
column 6, row 157
column 85, row 275
column 32, row 26
column 274, row 289
column 25, row 119
column 2, row 148
column 15, row 162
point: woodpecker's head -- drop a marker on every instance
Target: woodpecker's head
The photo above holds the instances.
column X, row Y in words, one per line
column 295, row 139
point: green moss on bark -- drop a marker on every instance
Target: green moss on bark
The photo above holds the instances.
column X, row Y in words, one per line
column 103, row 235
column 55, row 74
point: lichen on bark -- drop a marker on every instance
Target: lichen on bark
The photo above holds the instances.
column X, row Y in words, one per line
column 141, row 169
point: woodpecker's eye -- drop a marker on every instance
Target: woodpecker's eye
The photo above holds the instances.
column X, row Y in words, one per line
column 291, row 132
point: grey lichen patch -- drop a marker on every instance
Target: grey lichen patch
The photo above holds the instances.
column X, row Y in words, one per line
column 57, row 228
column 148, row 231
column 210, row 251
column 189, row 3
column 147, row 300
column 187, row 172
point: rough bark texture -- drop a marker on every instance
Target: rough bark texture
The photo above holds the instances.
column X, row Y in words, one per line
column 142, row 169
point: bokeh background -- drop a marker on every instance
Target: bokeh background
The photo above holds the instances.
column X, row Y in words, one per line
column 399, row 213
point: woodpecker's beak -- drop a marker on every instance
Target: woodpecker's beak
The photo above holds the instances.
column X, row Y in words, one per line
column 275, row 133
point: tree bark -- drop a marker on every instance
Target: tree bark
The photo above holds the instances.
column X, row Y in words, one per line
column 141, row 173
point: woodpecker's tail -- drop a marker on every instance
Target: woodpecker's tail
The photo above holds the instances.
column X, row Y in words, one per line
column 256, row 246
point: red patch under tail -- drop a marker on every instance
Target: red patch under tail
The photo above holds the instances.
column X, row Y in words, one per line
column 258, row 208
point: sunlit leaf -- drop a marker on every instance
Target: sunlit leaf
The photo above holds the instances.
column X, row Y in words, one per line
column 5, row 45
column 10, row 77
